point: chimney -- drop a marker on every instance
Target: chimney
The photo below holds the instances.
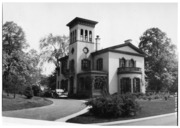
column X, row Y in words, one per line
column 97, row 45
column 128, row 41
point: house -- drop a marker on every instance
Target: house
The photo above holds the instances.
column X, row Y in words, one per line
column 89, row 71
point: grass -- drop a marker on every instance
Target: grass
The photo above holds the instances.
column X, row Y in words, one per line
column 148, row 108
column 21, row 102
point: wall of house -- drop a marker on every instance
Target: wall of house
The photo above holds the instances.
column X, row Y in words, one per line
column 105, row 57
column 113, row 67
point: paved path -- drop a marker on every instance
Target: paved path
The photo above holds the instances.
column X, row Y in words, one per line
column 60, row 108
column 167, row 120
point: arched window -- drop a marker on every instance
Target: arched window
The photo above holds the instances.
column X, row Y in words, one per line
column 86, row 35
column 131, row 63
column 81, row 35
column 122, row 62
column 71, row 66
column 85, row 64
column 99, row 64
column 71, row 37
column 90, row 36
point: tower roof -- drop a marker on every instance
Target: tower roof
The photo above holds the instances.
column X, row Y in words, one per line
column 81, row 21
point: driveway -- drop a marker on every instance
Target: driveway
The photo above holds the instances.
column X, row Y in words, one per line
column 60, row 108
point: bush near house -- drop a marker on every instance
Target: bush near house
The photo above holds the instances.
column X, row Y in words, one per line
column 114, row 106
column 28, row 92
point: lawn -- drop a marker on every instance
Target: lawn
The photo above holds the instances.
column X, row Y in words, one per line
column 148, row 108
column 21, row 102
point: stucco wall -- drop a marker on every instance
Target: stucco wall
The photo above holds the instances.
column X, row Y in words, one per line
column 114, row 64
column 105, row 57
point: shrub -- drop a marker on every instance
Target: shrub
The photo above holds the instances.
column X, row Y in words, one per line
column 28, row 92
column 36, row 90
column 47, row 94
column 114, row 106
column 138, row 94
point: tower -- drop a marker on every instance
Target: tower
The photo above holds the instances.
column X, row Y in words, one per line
column 82, row 44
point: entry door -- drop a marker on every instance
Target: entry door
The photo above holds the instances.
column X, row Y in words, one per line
column 125, row 85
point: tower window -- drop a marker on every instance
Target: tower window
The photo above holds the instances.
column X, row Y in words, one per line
column 90, row 36
column 71, row 37
column 75, row 35
column 81, row 36
column 86, row 35
column 99, row 65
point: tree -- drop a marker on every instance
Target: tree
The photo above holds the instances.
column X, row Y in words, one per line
column 53, row 48
column 50, row 81
column 28, row 92
column 18, row 67
column 161, row 60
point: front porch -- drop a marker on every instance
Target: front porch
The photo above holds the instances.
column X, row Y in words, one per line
column 92, row 83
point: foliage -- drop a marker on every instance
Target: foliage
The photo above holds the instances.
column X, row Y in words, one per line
column 53, row 48
column 48, row 93
column 19, row 68
column 154, row 96
column 161, row 60
column 114, row 106
column 36, row 90
column 28, row 92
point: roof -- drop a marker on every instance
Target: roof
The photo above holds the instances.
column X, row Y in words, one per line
column 112, row 49
column 82, row 21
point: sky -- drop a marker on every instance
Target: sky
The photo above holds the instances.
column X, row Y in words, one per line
column 117, row 22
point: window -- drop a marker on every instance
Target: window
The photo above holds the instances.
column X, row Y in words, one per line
column 86, row 35
column 90, row 36
column 125, row 85
column 85, row 64
column 131, row 63
column 99, row 64
column 75, row 35
column 71, row 66
column 99, row 83
column 122, row 62
column 71, row 37
column 81, row 36
column 64, row 67
column 136, row 85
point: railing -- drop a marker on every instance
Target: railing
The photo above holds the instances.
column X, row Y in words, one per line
column 122, row 70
